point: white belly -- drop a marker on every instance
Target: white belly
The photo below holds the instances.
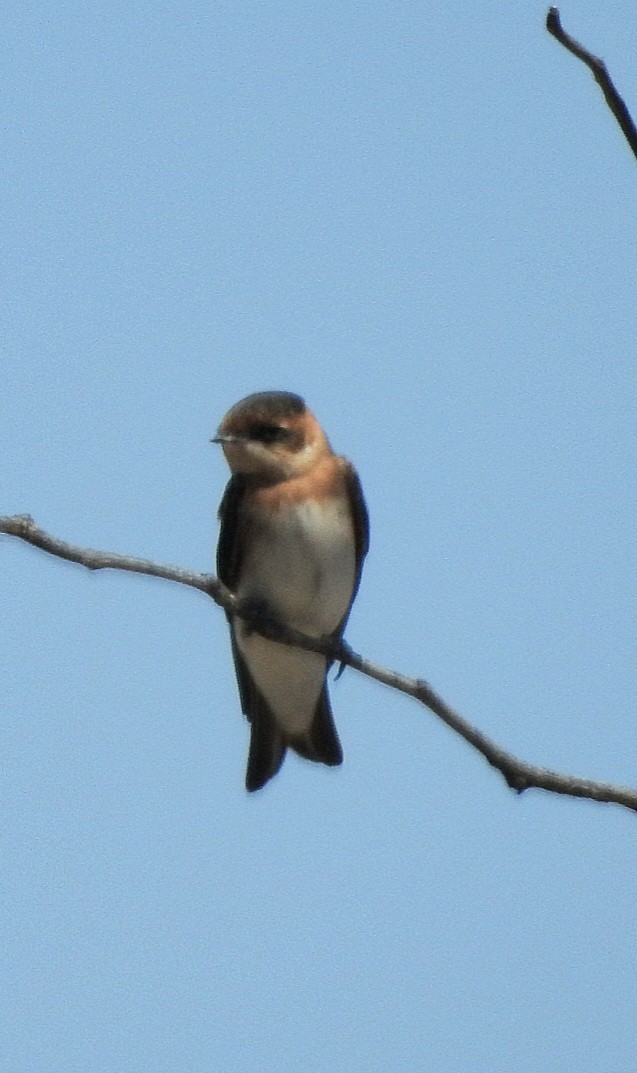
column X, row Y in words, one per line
column 303, row 567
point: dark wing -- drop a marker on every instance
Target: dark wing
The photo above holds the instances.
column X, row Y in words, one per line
column 360, row 522
column 360, row 519
column 229, row 549
column 229, row 556
column 267, row 745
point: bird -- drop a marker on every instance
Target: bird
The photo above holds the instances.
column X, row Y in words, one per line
column 294, row 531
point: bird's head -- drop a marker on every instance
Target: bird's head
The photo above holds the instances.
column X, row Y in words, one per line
column 271, row 435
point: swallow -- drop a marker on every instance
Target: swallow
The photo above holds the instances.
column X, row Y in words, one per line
column 293, row 537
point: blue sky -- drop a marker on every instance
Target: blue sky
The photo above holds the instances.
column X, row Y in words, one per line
column 422, row 218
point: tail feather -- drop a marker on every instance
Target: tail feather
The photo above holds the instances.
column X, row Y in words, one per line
column 267, row 750
column 268, row 743
column 320, row 743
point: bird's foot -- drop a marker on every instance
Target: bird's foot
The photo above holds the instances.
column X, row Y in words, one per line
column 258, row 616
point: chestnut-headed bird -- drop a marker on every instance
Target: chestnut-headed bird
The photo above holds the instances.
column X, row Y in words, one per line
column 294, row 533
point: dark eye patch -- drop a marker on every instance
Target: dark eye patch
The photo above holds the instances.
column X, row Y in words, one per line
column 267, row 433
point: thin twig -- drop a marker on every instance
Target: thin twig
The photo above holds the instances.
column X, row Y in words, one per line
column 519, row 775
column 600, row 74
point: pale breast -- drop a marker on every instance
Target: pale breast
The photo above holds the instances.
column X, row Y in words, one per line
column 302, row 563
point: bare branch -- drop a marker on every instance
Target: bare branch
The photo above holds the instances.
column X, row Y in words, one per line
column 600, row 74
column 23, row 526
column 519, row 775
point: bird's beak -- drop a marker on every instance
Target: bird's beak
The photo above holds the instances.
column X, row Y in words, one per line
column 223, row 439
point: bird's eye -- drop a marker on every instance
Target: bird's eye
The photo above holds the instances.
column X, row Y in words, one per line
column 267, row 433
